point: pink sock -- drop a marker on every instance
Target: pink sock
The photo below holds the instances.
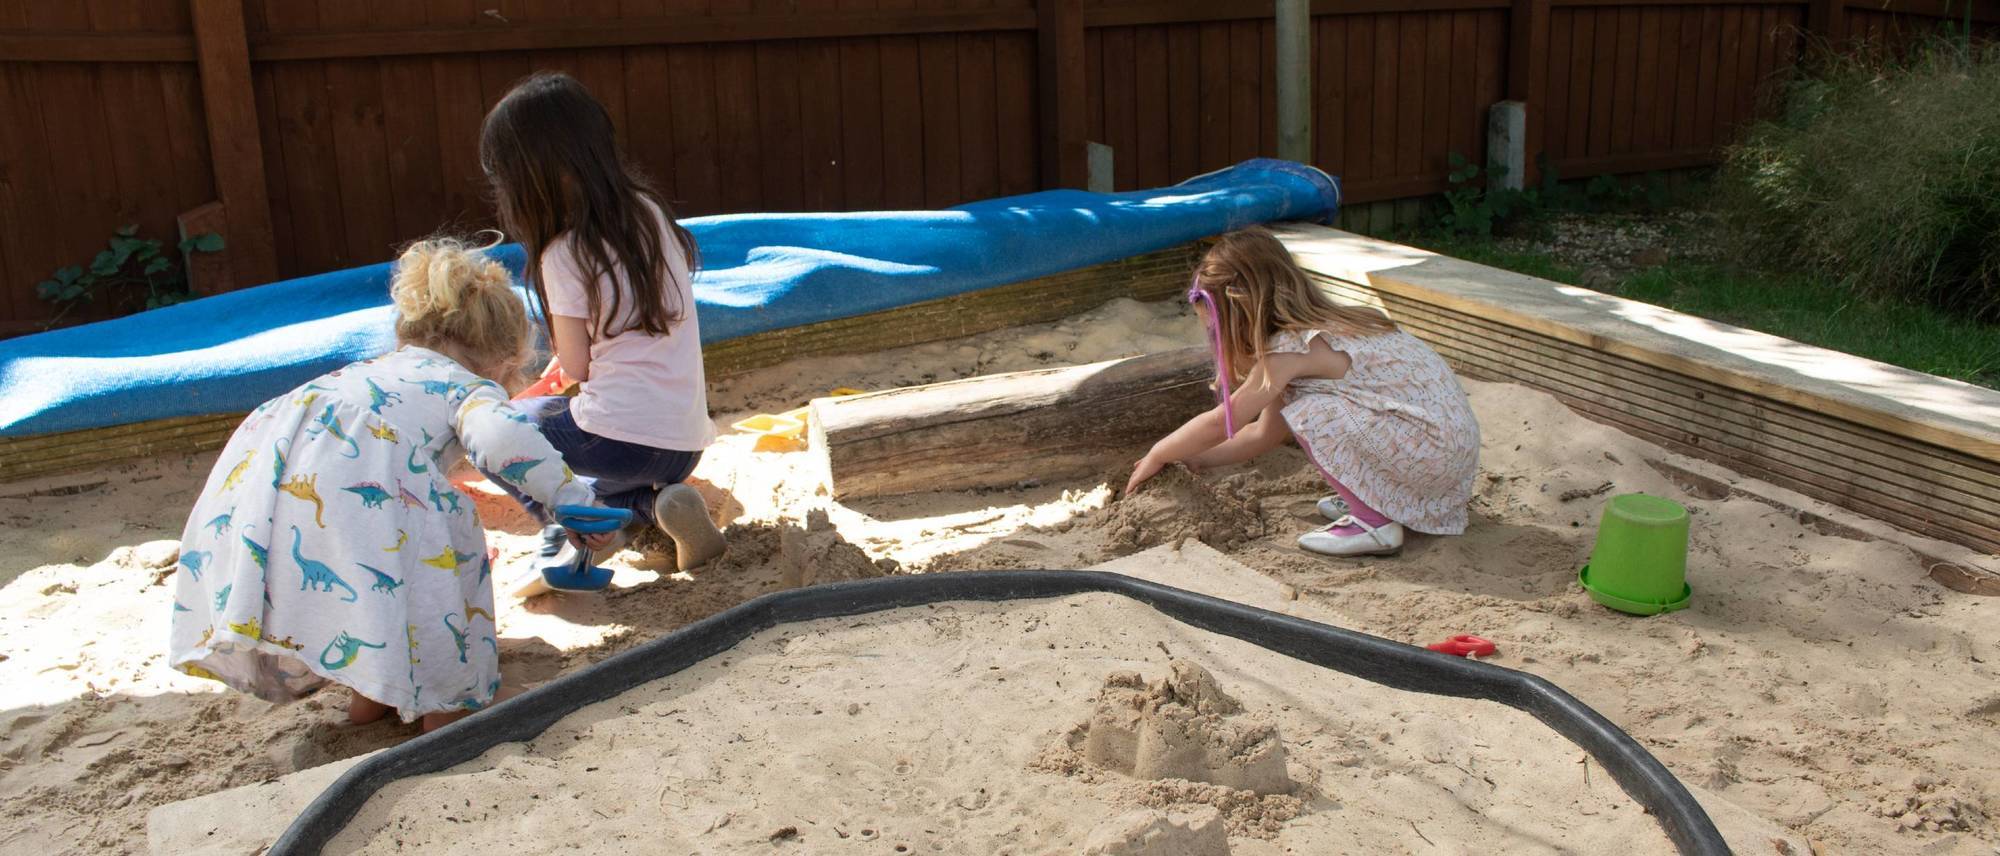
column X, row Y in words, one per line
column 1361, row 510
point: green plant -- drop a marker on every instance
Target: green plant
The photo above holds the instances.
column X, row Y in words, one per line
column 127, row 264
column 1883, row 174
column 1471, row 208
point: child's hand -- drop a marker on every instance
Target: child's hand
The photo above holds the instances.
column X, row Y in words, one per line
column 592, row 526
column 593, row 540
column 1145, row 469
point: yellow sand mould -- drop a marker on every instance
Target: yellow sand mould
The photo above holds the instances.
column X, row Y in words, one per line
column 784, row 432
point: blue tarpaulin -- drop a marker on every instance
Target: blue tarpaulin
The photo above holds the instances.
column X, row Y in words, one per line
column 760, row 272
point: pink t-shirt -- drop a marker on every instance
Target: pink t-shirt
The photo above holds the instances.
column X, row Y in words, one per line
column 643, row 388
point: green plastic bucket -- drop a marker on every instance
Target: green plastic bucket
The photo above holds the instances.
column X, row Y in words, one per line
column 1639, row 564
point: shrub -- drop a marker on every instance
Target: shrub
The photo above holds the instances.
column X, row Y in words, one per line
column 1883, row 175
column 128, row 265
column 1470, row 209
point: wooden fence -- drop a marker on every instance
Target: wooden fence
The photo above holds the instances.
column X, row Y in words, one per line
column 334, row 130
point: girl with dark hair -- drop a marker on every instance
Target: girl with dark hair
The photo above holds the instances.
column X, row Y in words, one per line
column 614, row 274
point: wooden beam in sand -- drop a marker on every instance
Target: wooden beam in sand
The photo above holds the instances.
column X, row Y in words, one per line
column 1000, row 430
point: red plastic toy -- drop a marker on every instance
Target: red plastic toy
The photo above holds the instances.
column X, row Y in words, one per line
column 552, row 382
column 1465, row 645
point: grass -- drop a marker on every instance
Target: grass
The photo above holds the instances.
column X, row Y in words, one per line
column 1795, row 306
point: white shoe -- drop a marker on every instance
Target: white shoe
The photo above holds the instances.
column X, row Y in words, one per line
column 1370, row 541
column 1332, row 508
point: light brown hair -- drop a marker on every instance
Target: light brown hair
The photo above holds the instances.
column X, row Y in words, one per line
column 1260, row 290
column 453, row 298
column 550, row 153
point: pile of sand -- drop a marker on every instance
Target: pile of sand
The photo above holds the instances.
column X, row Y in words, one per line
column 1190, row 750
column 1176, row 505
column 921, row 731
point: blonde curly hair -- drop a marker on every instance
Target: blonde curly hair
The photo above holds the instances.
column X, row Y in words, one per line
column 453, row 298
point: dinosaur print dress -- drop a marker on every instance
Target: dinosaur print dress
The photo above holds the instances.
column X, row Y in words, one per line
column 328, row 544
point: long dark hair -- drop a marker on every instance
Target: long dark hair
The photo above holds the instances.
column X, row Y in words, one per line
column 549, row 151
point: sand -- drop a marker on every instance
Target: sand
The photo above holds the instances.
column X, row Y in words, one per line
column 1821, row 682
column 921, row 731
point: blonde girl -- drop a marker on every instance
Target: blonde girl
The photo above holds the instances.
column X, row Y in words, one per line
column 328, row 546
column 1377, row 411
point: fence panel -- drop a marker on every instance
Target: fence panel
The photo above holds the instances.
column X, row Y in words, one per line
column 366, row 112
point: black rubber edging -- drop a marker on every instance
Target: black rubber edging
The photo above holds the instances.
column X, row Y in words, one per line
column 1382, row 661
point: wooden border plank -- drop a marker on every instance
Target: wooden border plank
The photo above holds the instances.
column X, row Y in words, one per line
column 1578, row 375
column 1729, row 417
column 1902, row 402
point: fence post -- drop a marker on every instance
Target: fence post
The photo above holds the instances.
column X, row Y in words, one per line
column 1295, row 63
column 1061, row 84
column 1827, row 19
column 1528, row 76
column 222, row 50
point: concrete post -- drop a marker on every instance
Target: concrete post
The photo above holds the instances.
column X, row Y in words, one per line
column 1099, row 177
column 1295, row 80
column 1507, row 146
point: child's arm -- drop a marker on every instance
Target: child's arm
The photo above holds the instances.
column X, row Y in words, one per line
column 499, row 441
column 572, row 344
column 1260, row 390
column 1267, row 433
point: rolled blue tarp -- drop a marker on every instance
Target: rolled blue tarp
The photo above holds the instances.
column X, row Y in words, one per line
column 760, row 272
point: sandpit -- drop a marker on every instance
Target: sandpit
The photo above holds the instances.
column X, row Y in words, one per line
column 1819, row 681
column 1084, row 724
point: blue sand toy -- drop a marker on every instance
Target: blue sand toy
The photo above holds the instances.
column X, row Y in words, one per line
column 578, row 575
column 591, row 520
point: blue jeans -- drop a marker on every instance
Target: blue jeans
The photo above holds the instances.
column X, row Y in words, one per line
column 624, row 475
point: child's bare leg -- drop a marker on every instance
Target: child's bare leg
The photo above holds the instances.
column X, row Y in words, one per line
column 362, row 710
column 435, row 721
